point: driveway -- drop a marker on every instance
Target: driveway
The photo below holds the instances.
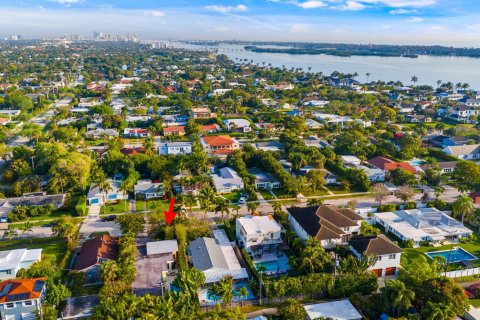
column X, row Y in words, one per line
column 93, row 223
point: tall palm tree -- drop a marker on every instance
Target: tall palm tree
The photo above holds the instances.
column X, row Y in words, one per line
column 463, row 206
column 414, row 80
column 10, row 233
column 189, row 200
column 314, row 256
column 242, row 293
column 27, row 227
column 125, row 187
column 398, row 295
column 206, row 198
column 225, row 289
column 277, row 206
column 368, row 74
column 221, row 205
column 439, row 82
column 252, row 206
column 104, row 186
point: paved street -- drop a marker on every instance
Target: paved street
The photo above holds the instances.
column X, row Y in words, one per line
column 93, row 223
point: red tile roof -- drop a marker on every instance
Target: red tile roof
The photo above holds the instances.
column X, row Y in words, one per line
column 21, row 287
column 174, row 129
column 101, row 247
column 380, row 162
column 403, row 165
column 211, row 127
column 216, row 141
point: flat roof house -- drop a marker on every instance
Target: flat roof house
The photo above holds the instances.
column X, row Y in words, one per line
column 336, row 310
column 386, row 252
column 146, row 189
column 327, row 223
column 11, row 261
column 258, row 234
column 94, row 252
column 96, row 196
column 216, row 258
column 238, row 125
column 202, row 113
column 174, row 148
column 264, row 180
column 227, row 180
column 423, row 224
column 21, row 299
column 218, row 145
column 135, row 133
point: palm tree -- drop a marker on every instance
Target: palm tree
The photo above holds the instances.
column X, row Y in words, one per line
column 27, row 227
column 221, row 205
column 463, row 206
column 368, row 74
column 225, row 289
column 314, row 256
column 213, row 292
column 189, row 201
column 206, row 198
column 10, row 233
column 242, row 292
column 439, row 82
column 398, row 295
column 252, row 206
column 104, row 186
column 315, row 202
column 277, row 206
column 414, row 80
column 125, row 187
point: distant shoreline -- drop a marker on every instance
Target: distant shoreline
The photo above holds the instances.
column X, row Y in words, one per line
column 333, row 52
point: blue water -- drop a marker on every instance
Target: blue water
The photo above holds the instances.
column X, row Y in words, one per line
column 452, row 256
column 416, row 162
column 236, row 285
column 280, row 265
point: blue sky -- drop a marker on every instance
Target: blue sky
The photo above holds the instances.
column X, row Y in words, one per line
column 447, row 22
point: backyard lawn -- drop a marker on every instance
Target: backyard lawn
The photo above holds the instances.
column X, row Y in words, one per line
column 51, row 246
column 411, row 254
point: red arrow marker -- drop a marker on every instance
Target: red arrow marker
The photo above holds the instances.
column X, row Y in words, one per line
column 170, row 214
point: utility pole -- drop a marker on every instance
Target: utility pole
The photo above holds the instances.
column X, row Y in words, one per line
column 261, row 272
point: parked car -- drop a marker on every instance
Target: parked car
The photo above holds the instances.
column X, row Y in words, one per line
column 242, row 200
column 111, row 217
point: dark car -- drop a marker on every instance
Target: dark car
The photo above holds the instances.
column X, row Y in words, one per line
column 110, row 218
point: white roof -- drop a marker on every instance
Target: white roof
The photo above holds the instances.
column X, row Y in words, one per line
column 240, row 123
column 259, row 224
column 473, row 313
column 11, row 259
column 161, row 247
column 351, row 159
column 226, row 179
column 337, row 310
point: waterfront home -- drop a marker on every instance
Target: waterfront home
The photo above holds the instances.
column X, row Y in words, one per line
column 328, row 224
column 97, row 196
column 93, row 253
column 174, row 131
column 464, row 152
column 174, row 148
column 11, row 261
column 218, row 145
column 423, row 224
column 135, row 133
column 216, row 258
column 336, row 310
column 386, row 253
column 264, row 180
column 146, row 189
column 226, row 180
column 202, row 113
column 21, row 299
column 259, row 234
column 238, row 125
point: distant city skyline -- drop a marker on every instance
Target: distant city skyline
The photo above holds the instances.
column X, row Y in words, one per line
column 443, row 22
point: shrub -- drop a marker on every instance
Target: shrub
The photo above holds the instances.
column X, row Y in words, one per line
column 410, row 205
column 408, row 243
column 81, row 207
column 387, row 208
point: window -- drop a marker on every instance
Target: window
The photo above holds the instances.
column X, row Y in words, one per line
column 27, row 303
column 392, row 256
column 10, row 305
column 379, row 258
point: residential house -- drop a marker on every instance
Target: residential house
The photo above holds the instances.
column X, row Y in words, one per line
column 472, row 102
column 135, row 133
column 280, row 86
column 328, row 224
column 11, row 261
column 238, row 125
column 313, row 125
column 423, row 224
column 216, row 258
column 335, row 310
column 446, row 167
column 97, row 196
column 4, row 121
column 316, row 103
column 100, row 133
column 212, row 128
column 31, row 200
column 270, row 145
column 218, row 145
column 174, row 120
column 202, row 113
column 264, row 180
column 390, row 165
column 465, row 152
column 340, row 120
column 226, row 180
column 330, row 178
column 313, row 141
column 351, row 161
column 174, row 148
column 146, row 189
column 464, row 113
column 259, row 234
column 218, row 92
column 386, row 253
column 10, row 112
column 93, row 253
column 445, row 141
column 267, row 126
column 174, row 131
column 21, row 299
column 418, row 118
column 373, row 174
column 345, row 82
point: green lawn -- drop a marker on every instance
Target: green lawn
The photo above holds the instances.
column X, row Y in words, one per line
column 159, row 204
column 113, row 208
column 411, row 254
column 475, row 302
column 51, row 246
column 266, row 194
column 320, row 192
column 233, row 196
column 337, row 189
column 282, row 194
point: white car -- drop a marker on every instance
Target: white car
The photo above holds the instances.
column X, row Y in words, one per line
column 242, row 200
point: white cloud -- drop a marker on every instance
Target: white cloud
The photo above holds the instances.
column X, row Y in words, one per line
column 352, row 6
column 67, row 2
column 225, row 9
column 402, row 3
column 414, row 19
column 403, row 11
column 154, row 13
column 311, row 4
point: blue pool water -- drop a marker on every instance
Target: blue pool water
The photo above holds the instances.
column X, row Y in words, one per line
column 416, row 162
column 455, row 255
column 275, row 266
column 236, row 285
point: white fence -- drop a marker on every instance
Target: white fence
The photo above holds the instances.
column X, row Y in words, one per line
column 462, row 273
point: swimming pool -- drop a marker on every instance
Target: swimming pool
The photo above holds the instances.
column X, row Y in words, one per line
column 204, row 295
column 455, row 255
column 275, row 266
column 416, row 162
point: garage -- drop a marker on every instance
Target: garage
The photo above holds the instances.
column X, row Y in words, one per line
column 390, row 271
column 378, row 272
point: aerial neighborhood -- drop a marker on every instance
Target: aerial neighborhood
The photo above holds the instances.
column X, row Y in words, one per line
column 153, row 183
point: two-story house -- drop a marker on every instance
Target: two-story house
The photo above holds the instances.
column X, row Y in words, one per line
column 465, row 152
column 218, row 145
column 174, row 148
column 328, row 224
column 11, row 261
column 259, row 234
column 21, row 299
column 386, row 253
column 146, row 189
column 202, row 113
column 464, row 113
column 135, row 133
column 237, row 125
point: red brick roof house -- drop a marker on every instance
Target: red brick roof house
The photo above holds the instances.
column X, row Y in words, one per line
column 94, row 252
column 174, row 131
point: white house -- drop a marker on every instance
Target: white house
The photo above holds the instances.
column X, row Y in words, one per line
column 464, row 152
column 11, row 261
column 351, row 160
column 174, row 148
column 218, row 92
column 464, row 113
column 97, row 196
column 265, row 180
column 227, row 180
column 373, row 174
column 240, row 125
column 135, row 133
column 258, row 234
column 340, row 120
column 386, row 252
column 146, row 189
column 336, row 310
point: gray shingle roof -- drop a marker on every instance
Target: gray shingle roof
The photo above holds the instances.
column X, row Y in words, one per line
column 206, row 254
